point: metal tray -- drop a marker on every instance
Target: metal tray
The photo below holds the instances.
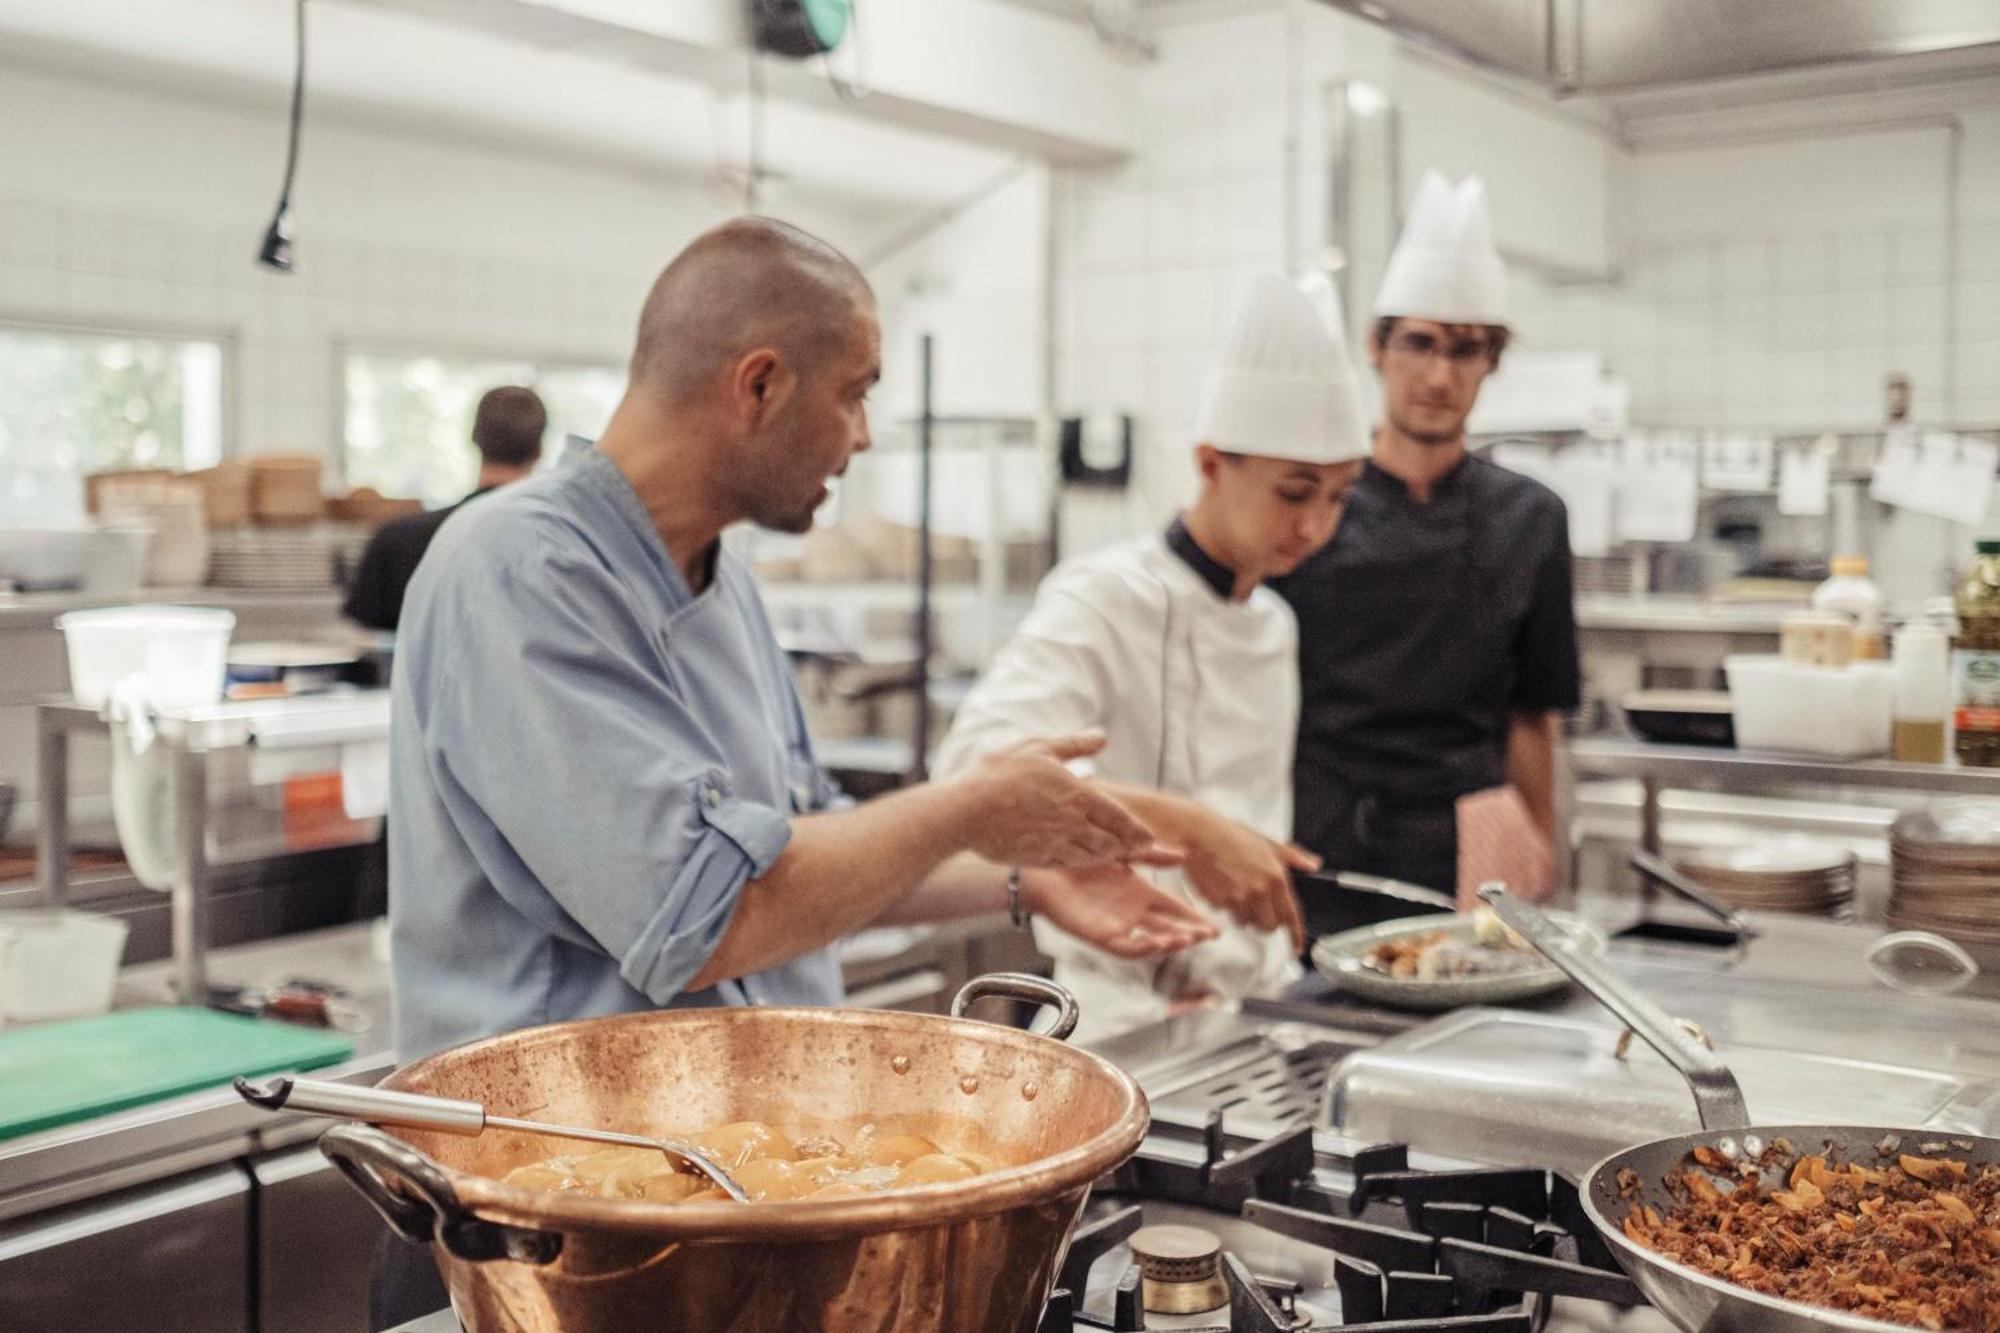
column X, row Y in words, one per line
column 1518, row 1088
column 1339, row 959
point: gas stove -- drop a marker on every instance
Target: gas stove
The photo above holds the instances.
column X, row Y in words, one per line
column 1211, row 1230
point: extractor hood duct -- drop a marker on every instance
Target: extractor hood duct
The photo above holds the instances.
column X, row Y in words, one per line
column 1608, row 46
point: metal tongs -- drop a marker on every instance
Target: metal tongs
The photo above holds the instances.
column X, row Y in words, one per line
column 1657, row 870
column 378, row 1106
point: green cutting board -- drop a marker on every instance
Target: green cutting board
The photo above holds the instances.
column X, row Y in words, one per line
column 58, row 1073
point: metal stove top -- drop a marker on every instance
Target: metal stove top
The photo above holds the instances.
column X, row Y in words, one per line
column 1325, row 1234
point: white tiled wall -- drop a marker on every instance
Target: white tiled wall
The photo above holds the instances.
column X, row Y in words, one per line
column 1778, row 284
column 122, row 207
column 123, row 269
column 975, row 284
column 1150, row 256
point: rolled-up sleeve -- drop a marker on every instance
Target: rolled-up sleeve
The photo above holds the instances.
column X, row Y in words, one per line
column 598, row 803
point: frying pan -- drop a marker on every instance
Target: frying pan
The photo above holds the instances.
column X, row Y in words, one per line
column 1692, row 1300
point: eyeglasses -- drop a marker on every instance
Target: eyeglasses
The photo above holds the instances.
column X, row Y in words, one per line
column 1462, row 354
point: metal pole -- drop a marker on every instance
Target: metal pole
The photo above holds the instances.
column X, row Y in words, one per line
column 920, row 761
column 52, row 832
column 190, row 888
column 1649, row 838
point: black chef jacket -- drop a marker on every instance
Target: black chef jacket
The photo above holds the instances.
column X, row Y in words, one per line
column 1422, row 629
column 389, row 561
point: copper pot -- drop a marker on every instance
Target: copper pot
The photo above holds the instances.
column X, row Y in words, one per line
column 978, row 1257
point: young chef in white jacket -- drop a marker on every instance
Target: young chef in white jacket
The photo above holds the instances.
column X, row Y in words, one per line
column 1171, row 646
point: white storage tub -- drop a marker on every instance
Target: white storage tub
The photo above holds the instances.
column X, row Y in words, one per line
column 180, row 651
column 58, row 964
column 1838, row 712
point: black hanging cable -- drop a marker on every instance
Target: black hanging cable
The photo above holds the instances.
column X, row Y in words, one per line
column 276, row 251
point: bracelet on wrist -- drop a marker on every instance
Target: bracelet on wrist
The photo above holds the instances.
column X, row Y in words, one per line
column 1017, row 911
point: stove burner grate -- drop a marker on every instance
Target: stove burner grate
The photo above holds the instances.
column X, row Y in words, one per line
column 1411, row 1250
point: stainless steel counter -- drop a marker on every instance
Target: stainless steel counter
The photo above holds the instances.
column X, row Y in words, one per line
column 286, row 1242
column 1756, row 773
column 40, row 1171
column 40, row 609
column 1799, row 985
column 1690, row 615
column 1760, row 772
column 1809, row 1032
column 168, row 1138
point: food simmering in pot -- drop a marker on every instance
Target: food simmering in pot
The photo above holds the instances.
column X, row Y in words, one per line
column 767, row 1163
column 1914, row 1240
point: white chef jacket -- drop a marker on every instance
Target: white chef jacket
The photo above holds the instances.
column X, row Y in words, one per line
column 1197, row 696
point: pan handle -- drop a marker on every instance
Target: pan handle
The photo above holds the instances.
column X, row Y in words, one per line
column 1027, row 987
column 1717, row 1098
column 1657, row 870
column 418, row 1202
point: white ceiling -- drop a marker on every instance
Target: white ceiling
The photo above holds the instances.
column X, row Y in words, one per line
column 383, row 65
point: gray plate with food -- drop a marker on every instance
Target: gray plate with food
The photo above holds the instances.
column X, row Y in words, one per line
column 1432, row 962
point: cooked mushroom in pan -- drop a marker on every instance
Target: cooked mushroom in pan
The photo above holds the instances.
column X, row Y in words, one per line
column 1911, row 1239
column 766, row 1163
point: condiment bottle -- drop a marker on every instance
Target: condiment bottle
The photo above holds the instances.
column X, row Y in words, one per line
column 1851, row 593
column 1923, row 693
column 1976, row 662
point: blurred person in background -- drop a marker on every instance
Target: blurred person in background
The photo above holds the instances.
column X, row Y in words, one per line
column 507, row 430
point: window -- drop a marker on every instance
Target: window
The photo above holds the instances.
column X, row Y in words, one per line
column 409, row 418
column 75, row 401
column 580, row 400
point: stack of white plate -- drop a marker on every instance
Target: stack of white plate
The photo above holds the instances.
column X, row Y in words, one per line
column 271, row 558
column 1945, row 864
column 1795, row 875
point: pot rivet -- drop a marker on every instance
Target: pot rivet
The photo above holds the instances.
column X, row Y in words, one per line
column 1030, row 1090
column 969, row 1084
column 901, row 1064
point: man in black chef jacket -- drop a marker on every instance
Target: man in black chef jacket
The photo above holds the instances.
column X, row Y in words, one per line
column 1437, row 636
column 507, row 430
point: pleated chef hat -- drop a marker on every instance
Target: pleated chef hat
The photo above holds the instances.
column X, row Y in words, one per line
column 1284, row 385
column 1445, row 266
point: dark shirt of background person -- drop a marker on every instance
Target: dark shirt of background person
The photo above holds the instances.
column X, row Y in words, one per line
column 507, row 429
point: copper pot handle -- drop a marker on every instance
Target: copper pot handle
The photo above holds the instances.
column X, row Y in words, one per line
column 414, row 1197
column 1028, row 988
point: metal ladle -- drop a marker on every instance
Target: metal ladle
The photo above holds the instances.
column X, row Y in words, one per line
column 377, row 1106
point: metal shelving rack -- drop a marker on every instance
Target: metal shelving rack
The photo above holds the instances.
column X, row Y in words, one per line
column 188, row 738
column 929, row 434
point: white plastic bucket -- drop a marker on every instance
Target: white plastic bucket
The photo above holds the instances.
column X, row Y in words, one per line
column 1840, row 712
column 180, row 651
column 58, row 965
